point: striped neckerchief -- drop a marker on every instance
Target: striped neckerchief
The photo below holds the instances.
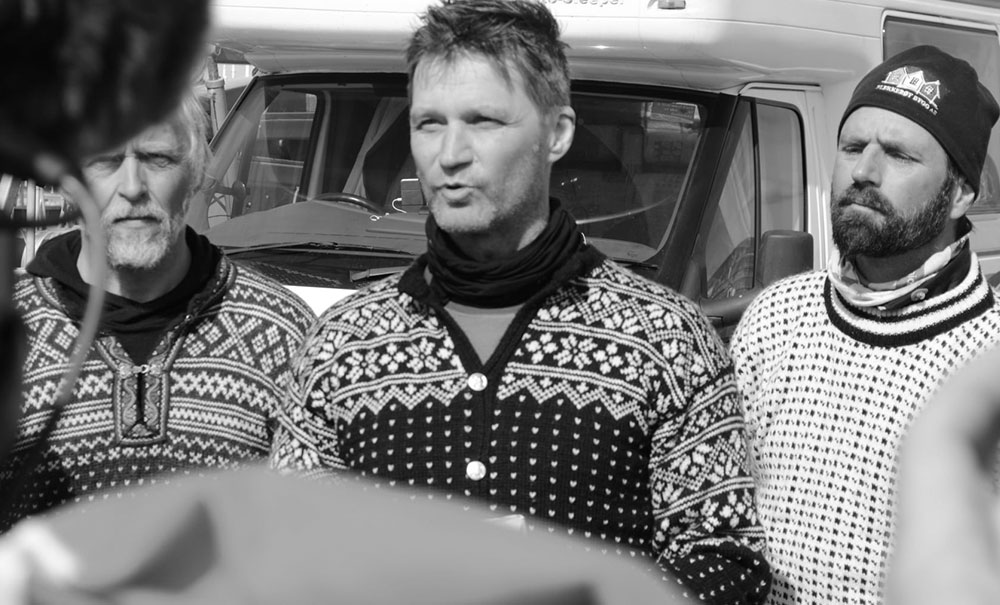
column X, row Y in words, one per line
column 883, row 295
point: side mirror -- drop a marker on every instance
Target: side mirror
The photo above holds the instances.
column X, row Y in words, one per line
column 781, row 253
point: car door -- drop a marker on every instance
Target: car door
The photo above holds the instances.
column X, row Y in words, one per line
column 767, row 215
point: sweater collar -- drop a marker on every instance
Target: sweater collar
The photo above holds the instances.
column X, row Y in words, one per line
column 56, row 259
column 502, row 282
column 938, row 274
column 414, row 280
column 909, row 324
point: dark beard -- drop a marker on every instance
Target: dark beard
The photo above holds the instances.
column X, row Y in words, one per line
column 894, row 234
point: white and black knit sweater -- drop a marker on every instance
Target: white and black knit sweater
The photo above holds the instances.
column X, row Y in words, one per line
column 609, row 408
column 208, row 397
column 829, row 390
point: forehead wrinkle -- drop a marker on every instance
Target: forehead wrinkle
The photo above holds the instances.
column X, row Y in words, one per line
column 893, row 132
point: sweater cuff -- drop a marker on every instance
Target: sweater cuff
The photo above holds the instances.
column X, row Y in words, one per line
column 723, row 574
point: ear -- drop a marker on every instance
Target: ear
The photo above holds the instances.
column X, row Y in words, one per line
column 961, row 199
column 563, row 129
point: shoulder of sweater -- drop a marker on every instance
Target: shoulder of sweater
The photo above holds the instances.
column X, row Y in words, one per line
column 649, row 299
column 634, row 289
column 373, row 295
column 771, row 308
column 640, row 290
column 23, row 279
column 252, row 287
column 26, row 286
column 798, row 286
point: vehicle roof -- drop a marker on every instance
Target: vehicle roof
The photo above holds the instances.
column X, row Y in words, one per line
column 709, row 44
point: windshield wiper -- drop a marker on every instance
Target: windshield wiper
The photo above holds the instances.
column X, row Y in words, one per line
column 376, row 272
column 636, row 264
column 323, row 247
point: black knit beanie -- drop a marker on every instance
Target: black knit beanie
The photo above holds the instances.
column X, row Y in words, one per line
column 940, row 93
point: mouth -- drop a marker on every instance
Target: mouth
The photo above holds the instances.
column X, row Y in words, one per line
column 861, row 201
column 136, row 220
column 862, row 207
column 455, row 192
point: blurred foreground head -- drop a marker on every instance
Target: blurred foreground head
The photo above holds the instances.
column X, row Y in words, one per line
column 90, row 74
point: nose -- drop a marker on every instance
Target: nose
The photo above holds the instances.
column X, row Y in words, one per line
column 132, row 180
column 456, row 149
column 867, row 169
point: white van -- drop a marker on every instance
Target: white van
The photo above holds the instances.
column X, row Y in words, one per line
column 703, row 152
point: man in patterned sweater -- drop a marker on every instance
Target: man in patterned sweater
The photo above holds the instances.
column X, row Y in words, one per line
column 513, row 363
column 833, row 366
column 192, row 356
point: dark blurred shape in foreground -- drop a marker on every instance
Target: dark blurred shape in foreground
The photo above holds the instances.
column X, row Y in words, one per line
column 85, row 75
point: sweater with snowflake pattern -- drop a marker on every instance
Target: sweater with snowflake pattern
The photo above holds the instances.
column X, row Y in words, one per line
column 608, row 409
column 205, row 398
column 829, row 389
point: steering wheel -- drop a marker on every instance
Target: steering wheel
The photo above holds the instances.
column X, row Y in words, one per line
column 349, row 198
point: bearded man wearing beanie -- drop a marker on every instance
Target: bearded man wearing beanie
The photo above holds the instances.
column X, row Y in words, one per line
column 834, row 365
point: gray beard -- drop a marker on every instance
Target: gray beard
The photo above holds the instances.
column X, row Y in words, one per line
column 137, row 252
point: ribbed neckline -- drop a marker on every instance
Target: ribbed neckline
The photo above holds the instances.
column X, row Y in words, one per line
column 914, row 323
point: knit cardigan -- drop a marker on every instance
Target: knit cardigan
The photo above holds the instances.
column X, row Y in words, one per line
column 829, row 390
column 608, row 409
column 207, row 397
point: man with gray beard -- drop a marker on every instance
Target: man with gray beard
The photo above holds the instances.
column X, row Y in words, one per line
column 191, row 358
column 834, row 365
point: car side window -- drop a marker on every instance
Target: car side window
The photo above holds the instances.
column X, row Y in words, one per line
column 764, row 191
column 782, row 169
column 280, row 151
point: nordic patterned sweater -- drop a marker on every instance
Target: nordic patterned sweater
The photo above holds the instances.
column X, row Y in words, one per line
column 207, row 399
column 829, row 390
column 608, row 409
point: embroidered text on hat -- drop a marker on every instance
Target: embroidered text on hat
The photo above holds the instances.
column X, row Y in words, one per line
column 910, row 83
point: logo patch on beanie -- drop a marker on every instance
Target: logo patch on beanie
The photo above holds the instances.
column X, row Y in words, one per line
column 910, row 83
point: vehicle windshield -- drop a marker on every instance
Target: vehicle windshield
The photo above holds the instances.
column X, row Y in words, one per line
column 312, row 179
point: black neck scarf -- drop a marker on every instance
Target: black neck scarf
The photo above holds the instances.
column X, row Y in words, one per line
column 138, row 326
column 503, row 282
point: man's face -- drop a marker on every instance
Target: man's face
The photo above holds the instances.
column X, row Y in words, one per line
column 891, row 191
column 482, row 149
column 143, row 189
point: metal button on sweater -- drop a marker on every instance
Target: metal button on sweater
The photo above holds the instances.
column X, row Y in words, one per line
column 477, row 382
column 475, row 470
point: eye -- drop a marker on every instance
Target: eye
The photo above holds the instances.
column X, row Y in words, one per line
column 426, row 123
column 159, row 161
column 105, row 163
column 486, row 121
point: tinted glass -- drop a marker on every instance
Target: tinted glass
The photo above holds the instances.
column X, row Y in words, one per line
column 314, row 178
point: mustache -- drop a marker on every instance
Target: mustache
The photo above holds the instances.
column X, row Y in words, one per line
column 117, row 212
column 867, row 196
